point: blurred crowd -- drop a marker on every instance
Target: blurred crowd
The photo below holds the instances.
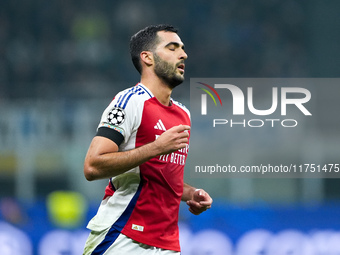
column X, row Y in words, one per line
column 80, row 48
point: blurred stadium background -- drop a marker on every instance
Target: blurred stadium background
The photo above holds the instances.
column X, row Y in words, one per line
column 61, row 62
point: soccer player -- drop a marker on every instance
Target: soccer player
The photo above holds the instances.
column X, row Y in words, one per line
column 141, row 146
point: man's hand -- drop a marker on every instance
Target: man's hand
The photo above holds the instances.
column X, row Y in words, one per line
column 200, row 202
column 173, row 139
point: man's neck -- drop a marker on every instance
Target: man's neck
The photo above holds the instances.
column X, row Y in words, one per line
column 159, row 89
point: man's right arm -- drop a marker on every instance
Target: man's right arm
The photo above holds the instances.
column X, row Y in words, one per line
column 103, row 160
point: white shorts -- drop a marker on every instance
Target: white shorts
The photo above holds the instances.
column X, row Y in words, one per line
column 122, row 245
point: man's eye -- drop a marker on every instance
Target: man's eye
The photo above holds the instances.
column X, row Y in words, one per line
column 172, row 49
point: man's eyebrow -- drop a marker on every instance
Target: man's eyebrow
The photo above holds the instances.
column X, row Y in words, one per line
column 176, row 44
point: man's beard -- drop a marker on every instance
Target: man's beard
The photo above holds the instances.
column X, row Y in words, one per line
column 167, row 72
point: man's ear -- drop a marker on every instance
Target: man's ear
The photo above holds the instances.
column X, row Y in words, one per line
column 146, row 58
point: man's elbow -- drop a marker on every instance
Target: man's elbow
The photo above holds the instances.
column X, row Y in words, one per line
column 89, row 172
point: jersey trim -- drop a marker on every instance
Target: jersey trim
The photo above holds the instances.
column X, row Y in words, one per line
column 117, row 227
column 124, row 99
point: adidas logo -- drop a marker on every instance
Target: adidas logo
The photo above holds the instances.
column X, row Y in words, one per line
column 160, row 125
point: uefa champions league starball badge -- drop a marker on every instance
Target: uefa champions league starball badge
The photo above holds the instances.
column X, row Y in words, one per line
column 116, row 116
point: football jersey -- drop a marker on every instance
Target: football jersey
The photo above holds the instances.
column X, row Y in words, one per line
column 143, row 203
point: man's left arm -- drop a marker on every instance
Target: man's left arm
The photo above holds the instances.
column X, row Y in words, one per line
column 197, row 199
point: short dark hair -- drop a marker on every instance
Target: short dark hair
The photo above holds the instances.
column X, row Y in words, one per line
column 146, row 40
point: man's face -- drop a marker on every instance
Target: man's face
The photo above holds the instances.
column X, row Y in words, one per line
column 169, row 57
